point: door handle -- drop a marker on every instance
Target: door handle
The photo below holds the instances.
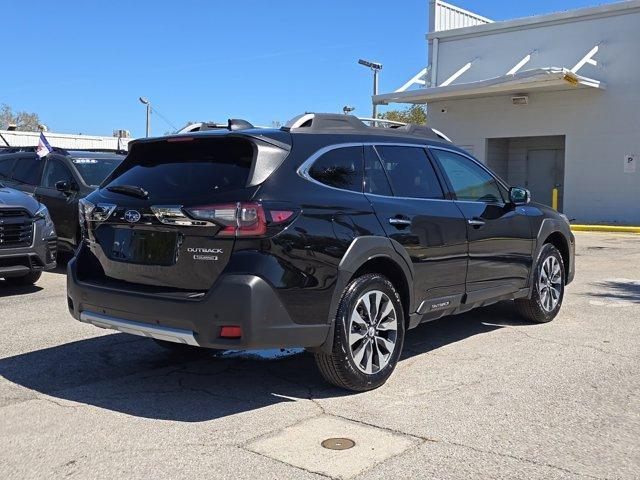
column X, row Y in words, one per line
column 475, row 222
column 400, row 222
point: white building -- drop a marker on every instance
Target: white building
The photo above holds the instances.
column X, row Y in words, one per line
column 13, row 138
column 550, row 101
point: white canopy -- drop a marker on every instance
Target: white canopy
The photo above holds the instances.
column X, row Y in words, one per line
column 538, row 79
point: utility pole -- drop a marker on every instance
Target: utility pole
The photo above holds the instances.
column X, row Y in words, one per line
column 147, row 103
column 375, row 67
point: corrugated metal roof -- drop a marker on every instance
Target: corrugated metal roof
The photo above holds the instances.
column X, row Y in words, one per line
column 11, row 138
column 444, row 16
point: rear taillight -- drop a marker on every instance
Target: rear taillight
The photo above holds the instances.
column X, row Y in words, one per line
column 231, row 332
column 239, row 219
column 85, row 209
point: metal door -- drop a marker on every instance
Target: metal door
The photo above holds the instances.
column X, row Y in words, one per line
column 544, row 173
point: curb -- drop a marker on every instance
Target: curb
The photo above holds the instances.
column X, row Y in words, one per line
column 605, row 228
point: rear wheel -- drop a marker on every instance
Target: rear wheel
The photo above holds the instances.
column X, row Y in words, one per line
column 25, row 280
column 548, row 288
column 369, row 334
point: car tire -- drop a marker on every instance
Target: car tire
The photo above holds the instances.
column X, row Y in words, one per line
column 365, row 349
column 548, row 287
column 25, row 280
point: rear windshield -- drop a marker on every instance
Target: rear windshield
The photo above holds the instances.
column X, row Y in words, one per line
column 94, row 170
column 186, row 169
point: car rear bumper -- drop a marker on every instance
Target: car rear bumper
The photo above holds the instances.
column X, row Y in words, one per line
column 17, row 262
column 245, row 301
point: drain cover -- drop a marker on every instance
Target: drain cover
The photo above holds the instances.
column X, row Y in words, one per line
column 338, row 443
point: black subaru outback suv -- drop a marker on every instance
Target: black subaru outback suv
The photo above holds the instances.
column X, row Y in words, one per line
column 326, row 234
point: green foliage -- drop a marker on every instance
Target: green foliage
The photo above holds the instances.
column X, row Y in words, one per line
column 25, row 121
column 416, row 114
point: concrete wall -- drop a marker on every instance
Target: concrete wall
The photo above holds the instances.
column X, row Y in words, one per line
column 601, row 127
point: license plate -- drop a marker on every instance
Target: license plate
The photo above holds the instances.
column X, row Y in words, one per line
column 144, row 247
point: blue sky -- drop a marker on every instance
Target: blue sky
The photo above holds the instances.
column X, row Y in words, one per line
column 82, row 65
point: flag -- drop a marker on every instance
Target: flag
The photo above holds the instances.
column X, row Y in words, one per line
column 43, row 149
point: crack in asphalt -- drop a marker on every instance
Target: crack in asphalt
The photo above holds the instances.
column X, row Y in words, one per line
column 525, row 459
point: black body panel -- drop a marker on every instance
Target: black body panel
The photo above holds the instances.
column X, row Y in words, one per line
column 283, row 285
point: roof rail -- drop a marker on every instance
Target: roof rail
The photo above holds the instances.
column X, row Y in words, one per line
column 232, row 124
column 334, row 122
column 325, row 121
column 373, row 122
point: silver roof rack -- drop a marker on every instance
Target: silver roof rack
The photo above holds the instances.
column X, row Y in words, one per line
column 340, row 123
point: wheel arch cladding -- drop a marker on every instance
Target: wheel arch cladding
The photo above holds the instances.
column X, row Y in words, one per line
column 372, row 254
column 384, row 265
column 557, row 233
column 560, row 242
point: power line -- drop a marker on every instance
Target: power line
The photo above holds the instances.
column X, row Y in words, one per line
column 166, row 120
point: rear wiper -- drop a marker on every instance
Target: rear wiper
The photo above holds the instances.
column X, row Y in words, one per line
column 130, row 190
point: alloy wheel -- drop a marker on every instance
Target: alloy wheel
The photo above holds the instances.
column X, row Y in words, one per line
column 373, row 331
column 550, row 283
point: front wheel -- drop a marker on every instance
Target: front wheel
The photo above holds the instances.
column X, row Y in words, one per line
column 368, row 338
column 548, row 288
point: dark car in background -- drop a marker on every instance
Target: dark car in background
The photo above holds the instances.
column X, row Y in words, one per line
column 27, row 238
column 58, row 181
column 325, row 234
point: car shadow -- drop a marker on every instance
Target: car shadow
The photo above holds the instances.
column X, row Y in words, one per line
column 133, row 375
column 8, row 290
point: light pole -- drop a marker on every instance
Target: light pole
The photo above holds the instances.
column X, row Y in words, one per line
column 145, row 101
column 376, row 67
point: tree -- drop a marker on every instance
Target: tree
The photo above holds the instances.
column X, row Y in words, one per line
column 416, row 114
column 24, row 121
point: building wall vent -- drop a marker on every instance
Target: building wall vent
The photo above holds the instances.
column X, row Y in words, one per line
column 520, row 99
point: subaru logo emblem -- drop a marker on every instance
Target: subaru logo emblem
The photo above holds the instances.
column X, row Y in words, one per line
column 132, row 216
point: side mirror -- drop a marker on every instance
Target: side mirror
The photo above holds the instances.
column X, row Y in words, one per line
column 519, row 196
column 65, row 187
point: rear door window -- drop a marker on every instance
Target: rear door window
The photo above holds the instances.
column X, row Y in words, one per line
column 375, row 178
column 339, row 168
column 410, row 172
column 28, row 170
column 186, row 169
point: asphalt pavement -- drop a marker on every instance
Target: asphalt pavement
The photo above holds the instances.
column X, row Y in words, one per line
column 482, row 395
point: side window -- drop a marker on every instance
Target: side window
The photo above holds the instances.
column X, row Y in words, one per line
column 375, row 179
column 6, row 165
column 470, row 182
column 27, row 170
column 410, row 172
column 55, row 171
column 339, row 168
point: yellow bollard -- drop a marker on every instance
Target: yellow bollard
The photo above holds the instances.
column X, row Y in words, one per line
column 554, row 199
